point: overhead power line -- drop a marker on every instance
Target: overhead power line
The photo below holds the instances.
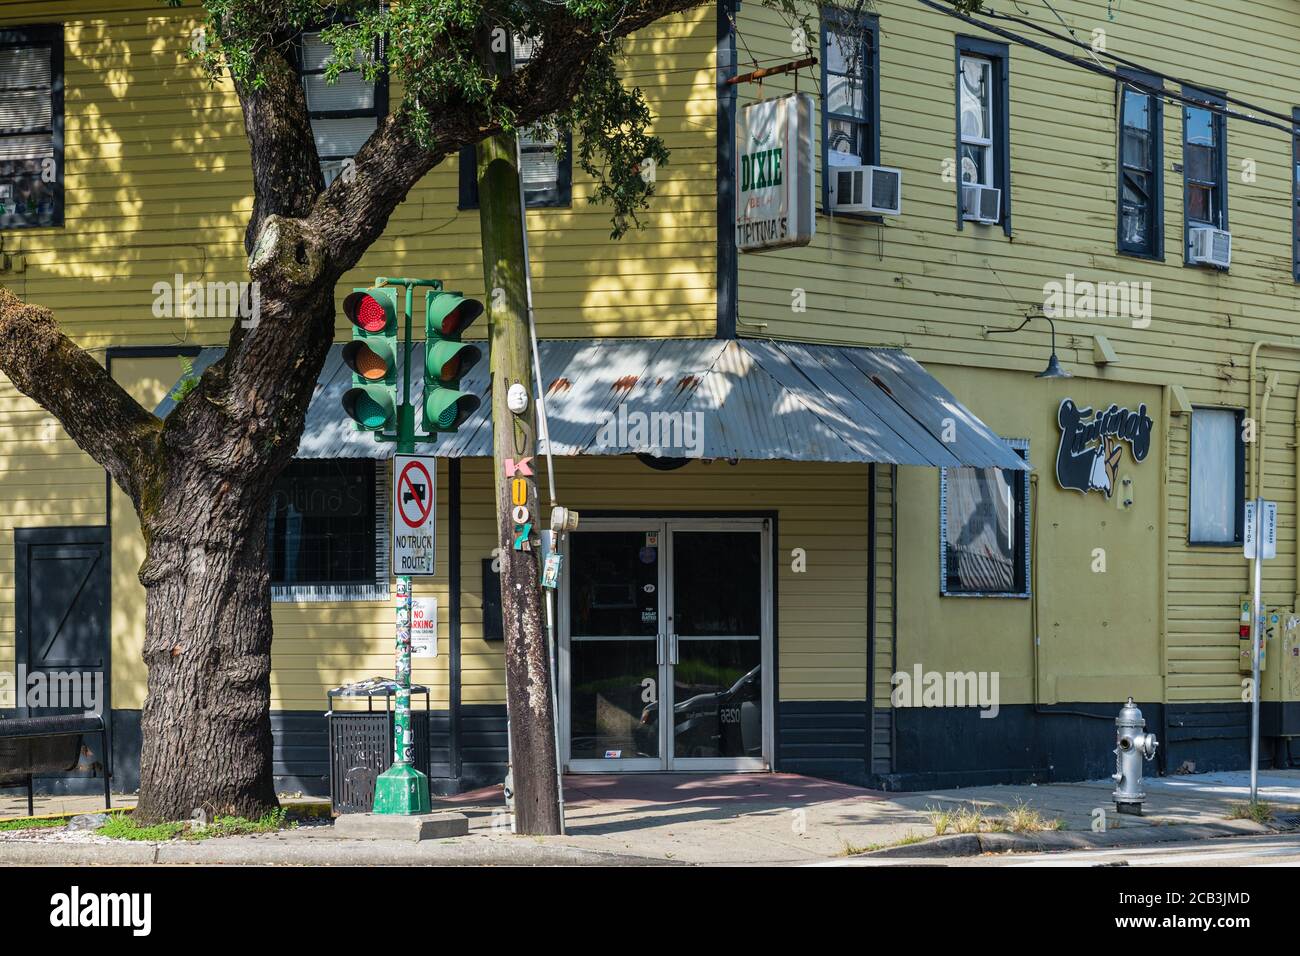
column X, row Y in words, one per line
column 1136, row 82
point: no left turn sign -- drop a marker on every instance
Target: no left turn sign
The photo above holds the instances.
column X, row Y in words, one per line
column 415, row 497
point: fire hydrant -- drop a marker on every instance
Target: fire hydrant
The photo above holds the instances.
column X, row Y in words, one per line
column 1132, row 746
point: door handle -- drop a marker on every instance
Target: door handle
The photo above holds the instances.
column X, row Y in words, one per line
column 659, row 650
column 672, row 644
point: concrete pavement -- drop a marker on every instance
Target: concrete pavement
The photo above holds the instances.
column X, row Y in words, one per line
column 727, row 819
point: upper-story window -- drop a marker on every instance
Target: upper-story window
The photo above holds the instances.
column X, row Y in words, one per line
column 850, row 96
column 343, row 113
column 1205, row 165
column 31, row 127
column 1141, row 184
column 545, row 159
column 983, row 133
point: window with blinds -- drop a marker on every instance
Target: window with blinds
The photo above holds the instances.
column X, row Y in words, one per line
column 343, row 113
column 31, row 127
column 545, row 163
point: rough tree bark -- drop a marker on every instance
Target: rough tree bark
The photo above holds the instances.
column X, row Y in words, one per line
column 200, row 481
column 528, row 674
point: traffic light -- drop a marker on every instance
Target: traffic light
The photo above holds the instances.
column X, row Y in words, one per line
column 446, row 359
column 371, row 403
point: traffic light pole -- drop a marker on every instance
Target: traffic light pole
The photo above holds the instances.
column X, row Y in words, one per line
column 402, row 789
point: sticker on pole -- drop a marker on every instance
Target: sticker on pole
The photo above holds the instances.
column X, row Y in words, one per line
column 415, row 497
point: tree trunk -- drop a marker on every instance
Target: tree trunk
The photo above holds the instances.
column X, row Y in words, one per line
column 528, row 671
column 206, row 728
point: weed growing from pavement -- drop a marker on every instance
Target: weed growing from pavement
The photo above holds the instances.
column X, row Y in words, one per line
column 1259, row 811
column 1020, row 818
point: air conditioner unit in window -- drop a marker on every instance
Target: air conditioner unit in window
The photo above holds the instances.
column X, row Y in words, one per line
column 981, row 203
column 1209, row 246
column 869, row 189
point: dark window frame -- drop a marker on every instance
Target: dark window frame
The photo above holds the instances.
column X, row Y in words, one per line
column 1024, row 570
column 374, row 565
column 561, row 197
column 43, row 34
column 378, row 111
column 1155, row 248
column 1220, row 126
column 870, row 59
column 1239, row 476
column 1000, row 55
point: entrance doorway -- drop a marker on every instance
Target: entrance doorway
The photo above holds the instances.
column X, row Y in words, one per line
column 666, row 646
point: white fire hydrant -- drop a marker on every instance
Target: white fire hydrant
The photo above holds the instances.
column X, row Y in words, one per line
column 1132, row 746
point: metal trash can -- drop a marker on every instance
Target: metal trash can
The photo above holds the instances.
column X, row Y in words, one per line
column 361, row 741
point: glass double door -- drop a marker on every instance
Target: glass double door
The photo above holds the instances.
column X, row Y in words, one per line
column 665, row 646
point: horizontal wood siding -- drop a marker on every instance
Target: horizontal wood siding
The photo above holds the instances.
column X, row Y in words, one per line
column 918, row 282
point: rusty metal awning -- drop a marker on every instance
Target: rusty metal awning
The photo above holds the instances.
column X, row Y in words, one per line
column 703, row 398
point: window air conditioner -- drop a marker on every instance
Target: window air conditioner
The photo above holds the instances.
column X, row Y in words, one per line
column 981, row 203
column 868, row 189
column 1209, row 246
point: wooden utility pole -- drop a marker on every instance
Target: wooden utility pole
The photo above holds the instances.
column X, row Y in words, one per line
column 528, row 672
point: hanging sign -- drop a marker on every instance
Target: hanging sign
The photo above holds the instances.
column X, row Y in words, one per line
column 1092, row 444
column 414, row 499
column 775, row 175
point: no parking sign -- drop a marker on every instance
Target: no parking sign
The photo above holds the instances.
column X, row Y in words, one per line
column 415, row 499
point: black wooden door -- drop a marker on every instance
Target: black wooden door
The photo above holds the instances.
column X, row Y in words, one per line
column 62, row 625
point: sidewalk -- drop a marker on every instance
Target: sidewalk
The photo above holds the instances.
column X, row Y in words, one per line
column 729, row 819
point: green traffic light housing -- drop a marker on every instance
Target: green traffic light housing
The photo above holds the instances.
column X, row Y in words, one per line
column 371, row 403
column 446, row 358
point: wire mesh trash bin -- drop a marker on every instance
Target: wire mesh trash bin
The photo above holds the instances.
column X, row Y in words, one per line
column 361, row 741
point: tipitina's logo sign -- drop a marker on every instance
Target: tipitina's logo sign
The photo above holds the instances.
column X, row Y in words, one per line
column 775, row 174
column 1092, row 444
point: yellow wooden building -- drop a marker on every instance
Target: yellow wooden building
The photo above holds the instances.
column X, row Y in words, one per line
column 822, row 556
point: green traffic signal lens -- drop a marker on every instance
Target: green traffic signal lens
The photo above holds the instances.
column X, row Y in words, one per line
column 445, row 409
column 370, row 406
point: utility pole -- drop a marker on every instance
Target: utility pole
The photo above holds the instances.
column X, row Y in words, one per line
column 529, row 696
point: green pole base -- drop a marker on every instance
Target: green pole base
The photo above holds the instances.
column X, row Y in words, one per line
column 401, row 789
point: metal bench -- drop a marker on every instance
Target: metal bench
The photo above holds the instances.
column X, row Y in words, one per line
column 32, row 745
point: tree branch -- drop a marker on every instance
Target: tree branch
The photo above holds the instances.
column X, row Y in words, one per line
column 95, row 411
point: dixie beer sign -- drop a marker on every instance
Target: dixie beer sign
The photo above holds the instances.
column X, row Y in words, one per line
column 775, row 174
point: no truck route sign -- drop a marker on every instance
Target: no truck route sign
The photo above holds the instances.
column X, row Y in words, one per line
column 415, row 499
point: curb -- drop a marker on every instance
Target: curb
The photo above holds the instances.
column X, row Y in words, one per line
column 974, row 844
column 319, row 851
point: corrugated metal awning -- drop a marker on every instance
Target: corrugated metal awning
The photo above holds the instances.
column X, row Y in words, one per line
column 703, row 398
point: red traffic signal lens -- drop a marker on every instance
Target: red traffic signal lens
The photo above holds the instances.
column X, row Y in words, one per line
column 460, row 317
column 370, row 314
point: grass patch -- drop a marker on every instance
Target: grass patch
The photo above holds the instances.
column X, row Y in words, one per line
column 1022, row 818
column 124, row 828
column 1259, row 811
column 852, row 849
column 6, row 825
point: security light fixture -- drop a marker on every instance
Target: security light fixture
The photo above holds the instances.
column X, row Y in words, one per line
column 1053, row 369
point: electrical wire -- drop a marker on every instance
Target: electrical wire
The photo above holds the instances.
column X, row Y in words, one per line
column 1137, row 83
